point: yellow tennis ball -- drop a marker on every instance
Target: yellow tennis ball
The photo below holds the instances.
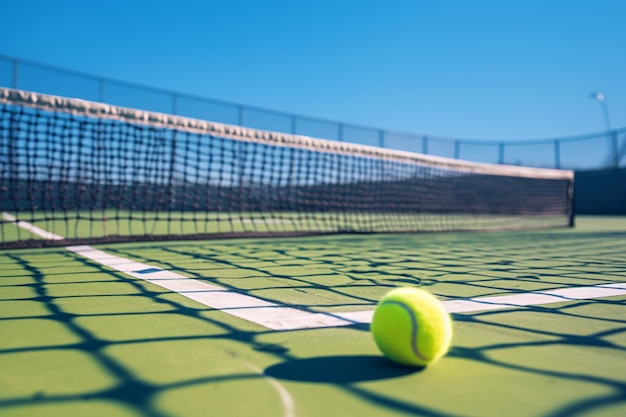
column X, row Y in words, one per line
column 411, row 327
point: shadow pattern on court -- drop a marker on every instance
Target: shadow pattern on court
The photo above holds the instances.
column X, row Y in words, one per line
column 76, row 336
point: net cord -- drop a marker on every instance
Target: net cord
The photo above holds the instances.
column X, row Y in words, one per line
column 86, row 108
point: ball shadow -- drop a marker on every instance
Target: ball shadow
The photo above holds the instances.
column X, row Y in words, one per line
column 339, row 369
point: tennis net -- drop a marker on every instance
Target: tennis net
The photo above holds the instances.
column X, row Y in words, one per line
column 74, row 172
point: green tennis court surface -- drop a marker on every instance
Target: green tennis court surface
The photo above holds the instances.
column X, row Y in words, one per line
column 79, row 337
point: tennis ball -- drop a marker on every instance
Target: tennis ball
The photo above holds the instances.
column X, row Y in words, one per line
column 411, row 327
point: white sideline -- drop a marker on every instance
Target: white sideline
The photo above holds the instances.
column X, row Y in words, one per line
column 264, row 313
column 30, row 227
column 279, row 317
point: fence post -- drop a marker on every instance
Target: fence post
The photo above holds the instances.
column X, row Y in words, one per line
column 501, row 153
column 16, row 74
column 425, row 145
column 614, row 150
column 381, row 138
column 294, row 125
column 622, row 152
column 557, row 154
column 242, row 116
column 101, row 90
column 457, row 149
column 174, row 103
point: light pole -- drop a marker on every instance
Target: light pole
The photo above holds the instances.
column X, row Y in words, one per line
column 613, row 156
column 602, row 100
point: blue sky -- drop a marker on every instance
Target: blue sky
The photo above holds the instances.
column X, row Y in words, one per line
column 494, row 70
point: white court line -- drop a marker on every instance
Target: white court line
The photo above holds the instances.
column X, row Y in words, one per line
column 472, row 305
column 264, row 313
column 278, row 317
column 288, row 403
column 31, row 227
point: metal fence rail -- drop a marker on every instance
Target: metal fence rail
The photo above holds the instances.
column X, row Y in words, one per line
column 587, row 152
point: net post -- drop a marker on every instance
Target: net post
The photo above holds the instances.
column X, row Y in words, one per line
column 622, row 151
column 570, row 198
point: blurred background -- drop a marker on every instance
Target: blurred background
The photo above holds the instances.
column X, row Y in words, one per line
column 530, row 83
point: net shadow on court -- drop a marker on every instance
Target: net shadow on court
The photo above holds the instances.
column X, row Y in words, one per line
column 135, row 345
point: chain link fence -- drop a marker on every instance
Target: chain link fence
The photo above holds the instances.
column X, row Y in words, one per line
column 587, row 152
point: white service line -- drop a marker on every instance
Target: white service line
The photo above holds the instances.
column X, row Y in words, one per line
column 279, row 317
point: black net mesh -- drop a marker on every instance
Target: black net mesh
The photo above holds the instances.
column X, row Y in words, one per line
column 86, row 172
